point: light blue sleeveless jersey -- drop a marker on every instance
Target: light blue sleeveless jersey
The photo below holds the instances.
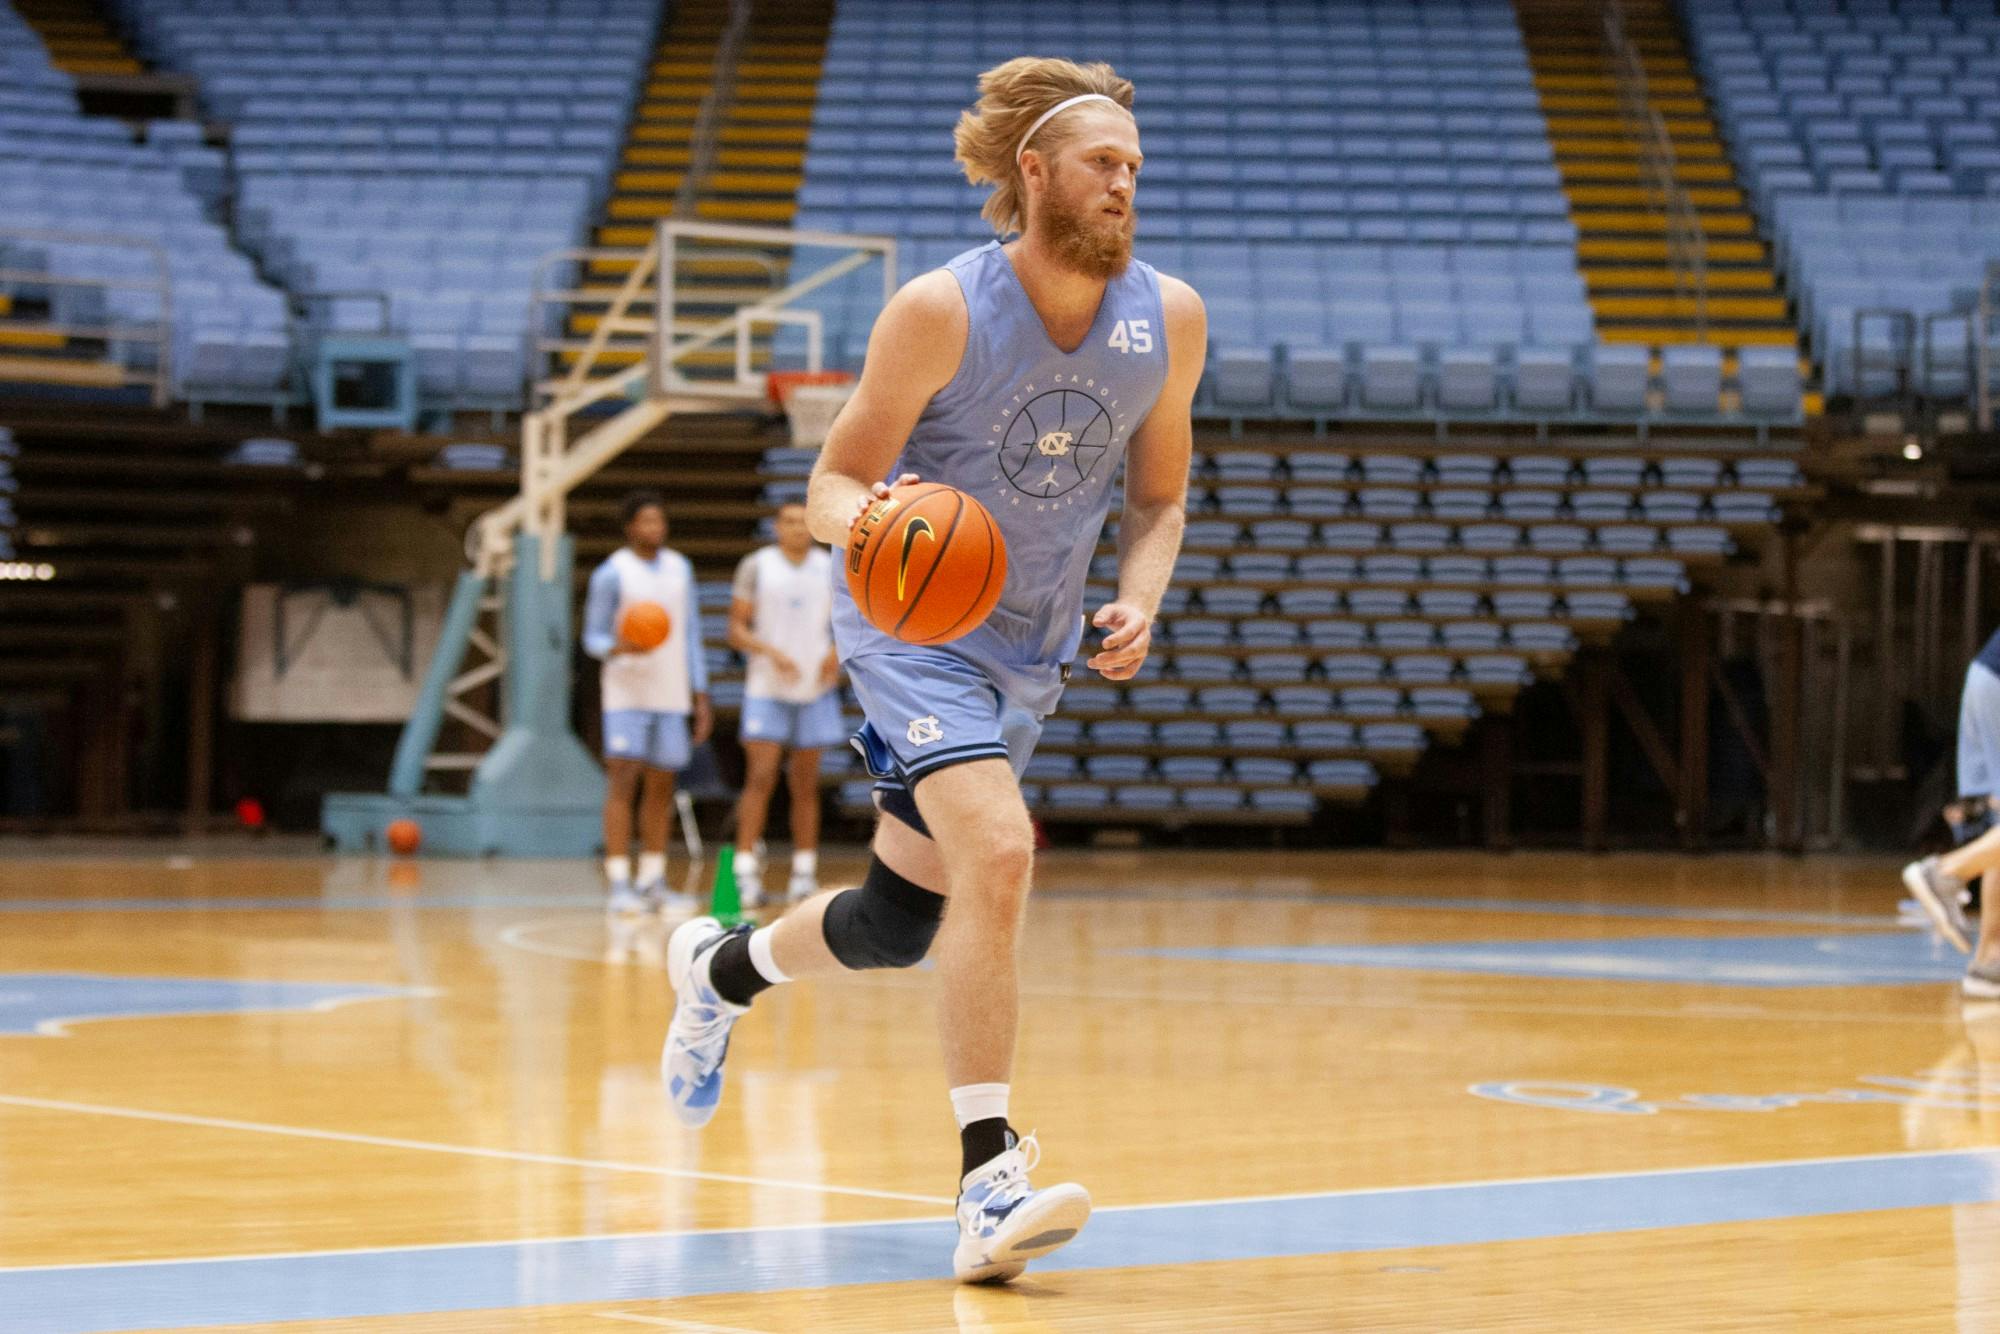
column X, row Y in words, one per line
column 1036, row 434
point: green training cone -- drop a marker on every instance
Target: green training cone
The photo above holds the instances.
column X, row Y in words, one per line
column 725, row 904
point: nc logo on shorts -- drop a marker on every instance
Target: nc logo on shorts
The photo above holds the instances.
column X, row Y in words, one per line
column 923, row 731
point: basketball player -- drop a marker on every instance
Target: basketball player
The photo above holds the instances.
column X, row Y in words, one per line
column 780, row 618
column 649, row 696
column 1022, row 373
column 1939, row 884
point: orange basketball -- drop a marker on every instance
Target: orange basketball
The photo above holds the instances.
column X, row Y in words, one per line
column 644, row 625
column 404, row 836
column 926, row 563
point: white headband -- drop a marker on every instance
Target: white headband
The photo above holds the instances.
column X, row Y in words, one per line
column 1064, row 105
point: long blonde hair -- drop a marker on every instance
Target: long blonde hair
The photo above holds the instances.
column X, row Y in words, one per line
column 988, row 136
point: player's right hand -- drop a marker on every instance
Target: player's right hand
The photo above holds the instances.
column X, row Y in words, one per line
column 788, row 671
column 879, row 491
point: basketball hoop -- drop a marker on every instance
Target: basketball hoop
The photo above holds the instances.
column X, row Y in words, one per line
column 811, row 399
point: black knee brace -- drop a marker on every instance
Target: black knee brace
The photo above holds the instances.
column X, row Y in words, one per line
column 887, row 923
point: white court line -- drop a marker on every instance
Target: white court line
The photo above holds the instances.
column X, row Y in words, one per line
column 461, row 1150
column 519, row 937
column 685, row 1326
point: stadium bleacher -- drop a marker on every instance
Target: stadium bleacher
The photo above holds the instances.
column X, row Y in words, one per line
column 1866, row 134
column 1365, row 194
column 65, row 175
column 407, row 172
column 1331, row 615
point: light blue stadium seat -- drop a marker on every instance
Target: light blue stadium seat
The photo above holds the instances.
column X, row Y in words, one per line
column 1544, row 379
column 1391, row 377
column 1692, row 378
column 1769, row 381
column 1243, row 378
column 1618, row 377
column 1315, row 379
column 1468, row 378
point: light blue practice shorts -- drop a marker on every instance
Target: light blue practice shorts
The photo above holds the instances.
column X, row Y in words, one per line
column 811, row 726
column 1979, row 734
column 658, row 740
column 927, row 711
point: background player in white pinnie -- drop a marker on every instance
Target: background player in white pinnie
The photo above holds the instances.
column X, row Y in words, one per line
column 655, row 701
column 781, row 619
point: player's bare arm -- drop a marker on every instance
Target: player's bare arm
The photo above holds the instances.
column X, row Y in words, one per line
column 1156, row 478
column 743, row 639
column 913, row 353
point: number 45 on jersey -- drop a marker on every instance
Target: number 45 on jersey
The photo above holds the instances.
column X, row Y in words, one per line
column 1132, row 336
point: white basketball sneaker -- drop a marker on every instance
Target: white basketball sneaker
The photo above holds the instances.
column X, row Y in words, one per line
column 1003, row 1222
column 802, row 886
column 698, row 1037
column 1942, row 897
column 624, row 898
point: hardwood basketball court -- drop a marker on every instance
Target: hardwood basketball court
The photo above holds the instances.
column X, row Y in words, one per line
column 1308, row 1092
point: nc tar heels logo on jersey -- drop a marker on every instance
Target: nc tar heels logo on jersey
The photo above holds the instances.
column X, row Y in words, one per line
column 923, row 731
column 1052, row 441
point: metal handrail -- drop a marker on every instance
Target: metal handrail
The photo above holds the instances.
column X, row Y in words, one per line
column 1687, row 246
column 707, row 134
column 159, row 333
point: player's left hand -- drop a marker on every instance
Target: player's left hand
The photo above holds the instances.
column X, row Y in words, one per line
column 829, row 671
column 704, row 719
column 1128, row 638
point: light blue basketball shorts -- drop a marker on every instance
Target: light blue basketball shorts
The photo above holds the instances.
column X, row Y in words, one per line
column 813, row 725
column 658, row 740
column 927, row 711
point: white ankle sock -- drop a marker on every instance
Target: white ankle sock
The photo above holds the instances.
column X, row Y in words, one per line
column 652, row 867
column 618, row 869
column 805, row 863
column 746, row 866
column 760, row 957
column 978, row 1102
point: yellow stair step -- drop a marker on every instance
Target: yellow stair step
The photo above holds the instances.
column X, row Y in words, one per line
column 776, row 90
column 655, row 156
column 771, row 113
column 1611, row 220
column 1605, row 104
column 639, row 208
column 624, row 236
column 1614, row 126
column 1606, row 83
column 807, row 70
column 1683, row 308
column 787, row 158
column 668, row 134
column 1616, row 196
column 764, row 134
column 37, row 339
column 1639, row 249
column 1648, row 276
column 1618, row 148
column 746, row 210
column 1665, row 335
column 62, row 370
column 753, row 182
column 1688, row 173
column 653, row 181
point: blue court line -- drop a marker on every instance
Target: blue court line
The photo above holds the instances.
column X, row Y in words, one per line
column 416, row 899
column 1883, row 958
column 45, row 1004
column 177, row 1294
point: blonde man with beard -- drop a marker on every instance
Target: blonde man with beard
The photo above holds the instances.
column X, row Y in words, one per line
column 1022, row 372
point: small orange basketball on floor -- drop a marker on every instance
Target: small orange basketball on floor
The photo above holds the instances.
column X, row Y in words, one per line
column 404, row 836
column 644, row 625
column 926, row 563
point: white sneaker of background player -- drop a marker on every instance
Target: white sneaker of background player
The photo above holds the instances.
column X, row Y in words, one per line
column 749, row 880
column 625, row 899
column 803, row 885
column 1003, row 1222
